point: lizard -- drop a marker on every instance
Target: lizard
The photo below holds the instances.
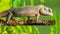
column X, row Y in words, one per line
column 27, row 11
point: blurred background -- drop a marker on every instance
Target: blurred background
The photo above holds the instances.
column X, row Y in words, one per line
column 25, row 29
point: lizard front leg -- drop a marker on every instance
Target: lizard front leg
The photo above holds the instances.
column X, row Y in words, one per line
column 9, row 17
column 37, row 18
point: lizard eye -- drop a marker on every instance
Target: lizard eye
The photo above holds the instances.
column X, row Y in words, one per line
column 49, row 10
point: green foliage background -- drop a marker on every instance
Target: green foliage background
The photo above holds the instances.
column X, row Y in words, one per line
column 54, row 4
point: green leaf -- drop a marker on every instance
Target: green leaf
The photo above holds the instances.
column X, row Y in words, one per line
column 17, row 3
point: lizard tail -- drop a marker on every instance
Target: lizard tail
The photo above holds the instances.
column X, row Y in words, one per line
column 3, row 14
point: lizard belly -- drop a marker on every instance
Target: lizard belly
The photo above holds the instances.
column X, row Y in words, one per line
column 29, row 14
column 25, row 15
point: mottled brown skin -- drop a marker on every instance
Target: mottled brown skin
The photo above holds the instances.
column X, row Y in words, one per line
column 26, row 11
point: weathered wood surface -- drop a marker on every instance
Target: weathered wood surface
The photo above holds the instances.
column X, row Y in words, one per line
column 31, row 22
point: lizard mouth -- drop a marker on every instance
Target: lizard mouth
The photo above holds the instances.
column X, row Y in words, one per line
column 51, row 14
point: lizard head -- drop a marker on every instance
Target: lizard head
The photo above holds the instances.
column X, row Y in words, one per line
column 45, row 11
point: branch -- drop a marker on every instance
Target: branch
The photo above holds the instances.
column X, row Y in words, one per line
column 31, row 22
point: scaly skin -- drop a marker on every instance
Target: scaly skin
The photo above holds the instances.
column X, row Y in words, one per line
column 28, row 11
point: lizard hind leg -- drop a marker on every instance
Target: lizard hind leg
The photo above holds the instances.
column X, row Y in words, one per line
column 9, row 17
